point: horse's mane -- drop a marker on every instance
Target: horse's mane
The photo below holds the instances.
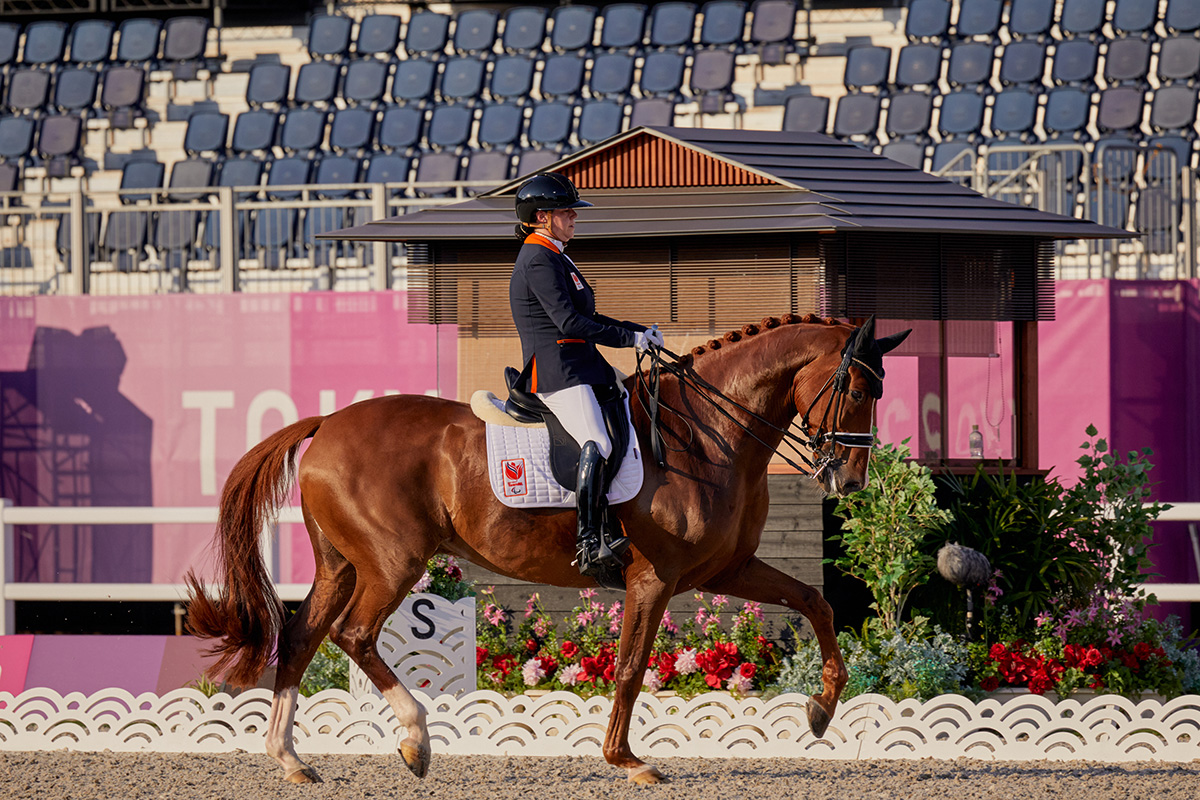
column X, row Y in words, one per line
column 753, row 329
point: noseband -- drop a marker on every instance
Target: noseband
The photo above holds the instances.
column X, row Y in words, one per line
column 820, row 442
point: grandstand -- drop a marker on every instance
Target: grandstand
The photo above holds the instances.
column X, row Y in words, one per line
column 156, row 155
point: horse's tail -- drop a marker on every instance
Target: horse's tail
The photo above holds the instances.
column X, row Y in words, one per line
column 247, row 614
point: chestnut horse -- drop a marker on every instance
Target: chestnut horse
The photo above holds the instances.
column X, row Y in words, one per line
column 389, row 482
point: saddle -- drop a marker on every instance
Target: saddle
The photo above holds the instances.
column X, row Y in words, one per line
column 525, row 406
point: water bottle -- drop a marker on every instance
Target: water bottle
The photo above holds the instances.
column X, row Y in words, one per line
column 975, row 440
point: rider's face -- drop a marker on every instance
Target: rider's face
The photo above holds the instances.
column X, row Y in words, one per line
column 561, row 224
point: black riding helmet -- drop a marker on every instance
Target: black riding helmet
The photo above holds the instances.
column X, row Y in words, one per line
column 549, row 191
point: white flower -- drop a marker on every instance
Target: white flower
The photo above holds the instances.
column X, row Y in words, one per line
column 685, row 662
column 532, row 672
column 569, row 675
column 651, row 682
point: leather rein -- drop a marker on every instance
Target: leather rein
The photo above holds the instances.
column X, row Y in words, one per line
column 837, row 386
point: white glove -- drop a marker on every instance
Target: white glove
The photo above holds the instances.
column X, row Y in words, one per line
column 644, row 339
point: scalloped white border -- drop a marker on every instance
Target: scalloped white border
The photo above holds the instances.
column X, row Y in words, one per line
column 1027, row 727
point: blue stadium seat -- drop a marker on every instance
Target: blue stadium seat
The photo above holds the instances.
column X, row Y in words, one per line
column 123, row 97
column 427, row 34
column 303, row 130
column 524, row 29
column 255, row 132
column 329, row 37
column 662, row 74
column 316, row 83
column 28, row 91
column 241, row 173
column 927, row 20
column 275, row 228
column 75, row 90
column 437, row 169
column 58, row 143
column 806, row 113
column 772, row 30
column 1157, row 216
column 125, row 238
column 1179, row 60
column 1023, row 63
column 475, row 31
column 388, row 168
column 45, row 43
column 378, row 36
column 91, row 41
column 268, row 85
column 1066, row 112
column 534, row 160
column 400, row 128
column 1173, row 109
column 961, row 115
column 723, row 23
column 908, row 116
column 910, row 153
column 191, row 179
column 335, row 172
column 10, row 37
column 16, row 138
column 550, row 125
column 1014, row 112
column 970, row 65
column 1159, row 167
column 176, row 236
column 352, row 130
column 1134, row 17
column 562, row 74
column 573, row 28
column 611, row 75
column 462, row 79
column 918, row 66
column 599, row 120
column 711, row 79
column 487, row 165
column 657, row 111
column 184, row 41
column 1127, row 61
column 623, row 26
column 500, row 125
column 1120, row 110
column 1030, row 19
column 978, row 19
column 449, row 127
column 867, row 68
column 364, row 81
column 138, row 180
column 1183, row 16
column 857, row 119
column 413, row 81
column 957, row 155
column 138, row 41
column 1074, row 63
column 511, row 78
column 672, row 25
column 1081, row 17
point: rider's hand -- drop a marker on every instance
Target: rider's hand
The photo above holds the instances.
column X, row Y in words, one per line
column 645, row 339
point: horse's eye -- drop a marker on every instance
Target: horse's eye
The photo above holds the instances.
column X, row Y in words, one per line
column 856, row 395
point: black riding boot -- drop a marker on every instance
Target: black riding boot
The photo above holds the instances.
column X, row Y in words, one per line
column 597, row 550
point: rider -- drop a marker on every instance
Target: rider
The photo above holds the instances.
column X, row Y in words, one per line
column 554, row 309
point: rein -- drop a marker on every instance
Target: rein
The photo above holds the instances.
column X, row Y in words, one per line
column 837, row 385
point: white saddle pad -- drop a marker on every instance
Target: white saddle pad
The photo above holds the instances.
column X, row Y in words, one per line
column 519, row 462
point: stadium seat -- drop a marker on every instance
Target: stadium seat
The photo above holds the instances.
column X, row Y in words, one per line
column 75, row 90
column 910, row 153
column 427, row 33
column 437, row 169
column 58, row 143
column 1030, row 19
column 184, row 41
column 1120, row 110
column 255, row 132
column 524, row 29
column 388, row 168
column 400, row 128
column 339, row 172
column 857, row 119
column 475, row 31
column 329, row 37
column 487, row 165
column 1066, row 112
column 241, row 173
column 1127, row 61
column 908, row 115
column 1157, row 216
column 268, row 85
column 1179, row 60
column 1183, row 16
column 123, row 97
column 500, row 125
column 10, row 176
column 961, row 115
column 45, row 43
column 274, row 228
column 1023, row 63
column 1173, row 109
column 1013, row 113
column 138, row 180
column 723, row 23
column 978, row 19
column 16, row 138
column 91, row 41
column 867, row 68
column 550, row 124
column 970, row 65
column 611, row 75
column 125, row 238
column 1074, row 63
column 364, row 81
column 378, row 36
column 10, row 37
column 1081, row 17
column 331, row 171
column 413, row 81
column 316, row 83
column 623, row 26
column 772, row 29
column 918, row 66
column 1134, row 17
column 573, row 28
column 711, row 79
column 449, row 127
column 303, row 130
column 662, row 74
column 655, row 111
column 1114, row 167
column 599, row 120
column 462, row 79
column 1158, row 166
column 352, row 130
column 512, row 77
column 927, row 20
column 957, row 155
column 191, row 180
column 138, row 40
column 562, row 74
column 176, row 234
column 28, row 90
column 806, row 113
column 535, row 160
column 672, row 25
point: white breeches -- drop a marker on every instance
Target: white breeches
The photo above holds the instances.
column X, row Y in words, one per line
column 578, row 411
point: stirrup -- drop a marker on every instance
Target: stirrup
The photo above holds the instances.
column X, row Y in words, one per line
column 612, row 553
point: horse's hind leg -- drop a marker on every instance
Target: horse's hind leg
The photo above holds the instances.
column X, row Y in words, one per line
column 763, row 583
column 299, row 640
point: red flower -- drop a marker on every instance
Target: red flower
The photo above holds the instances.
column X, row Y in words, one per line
column 1093, row 657
column 1141, row 650
column 569, row 650
column 990, row 683
column 531, row 645
column 610, row 672
column 481, row 654
column 713, row 681
column 998, row 651
column 1097, row 683
column 747, row 669
column 666, row 666
column 1128, row 659
column 549, row 665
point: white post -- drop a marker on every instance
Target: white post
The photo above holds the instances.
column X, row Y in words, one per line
column 381, row 276
column 8, row 615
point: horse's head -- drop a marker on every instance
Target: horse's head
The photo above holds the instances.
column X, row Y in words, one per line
column 835, row 396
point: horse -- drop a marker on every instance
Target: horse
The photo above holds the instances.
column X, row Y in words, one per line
column 387, row 483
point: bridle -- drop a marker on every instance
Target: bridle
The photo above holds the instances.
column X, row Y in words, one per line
column 821, row 442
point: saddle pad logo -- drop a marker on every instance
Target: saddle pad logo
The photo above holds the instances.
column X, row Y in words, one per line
column 578, row 283
column 514, row 477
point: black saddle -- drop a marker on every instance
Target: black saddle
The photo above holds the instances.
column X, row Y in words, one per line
column 564, row 450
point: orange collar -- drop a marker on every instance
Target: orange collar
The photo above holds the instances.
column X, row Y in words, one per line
column 537, row 238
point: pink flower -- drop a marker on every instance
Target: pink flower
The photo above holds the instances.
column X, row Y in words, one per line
column 423, row 584
column 738, row 683
column 494, row 614
column 719, row 601
column 668, row 624
column 541, row 627
column 587, row 594
column 530, row 603
column 651, row 682
column 614, row 611
column 753, row 609
column 685, row 662
column 569, row 675
column 532, row 672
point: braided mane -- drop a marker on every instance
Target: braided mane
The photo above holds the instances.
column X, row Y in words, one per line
column 767, row 324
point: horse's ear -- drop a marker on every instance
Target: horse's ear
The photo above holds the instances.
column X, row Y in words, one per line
column 863, row 336
column 889, row 343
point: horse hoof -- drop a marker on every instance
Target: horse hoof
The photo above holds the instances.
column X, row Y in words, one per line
column 645, row 775
column 416, row 756
column 303, row 775
column 818, row 718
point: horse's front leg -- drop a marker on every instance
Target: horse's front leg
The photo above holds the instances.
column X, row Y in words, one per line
column 646, row 599
column 763, row 583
